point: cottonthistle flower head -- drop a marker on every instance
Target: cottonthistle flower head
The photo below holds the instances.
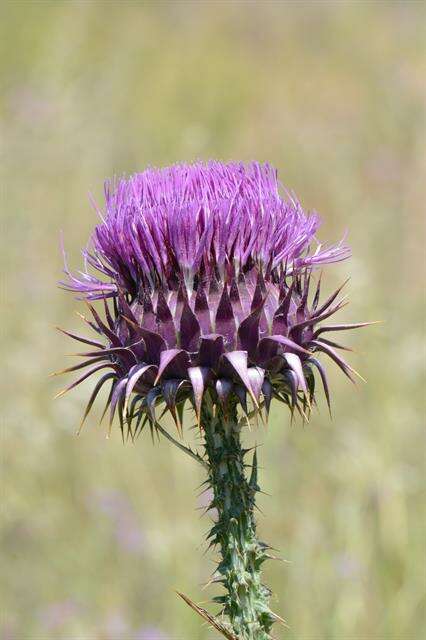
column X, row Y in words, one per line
column 206, row 276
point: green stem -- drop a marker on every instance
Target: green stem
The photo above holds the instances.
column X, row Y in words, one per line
column 181, row 446
column 242, row 554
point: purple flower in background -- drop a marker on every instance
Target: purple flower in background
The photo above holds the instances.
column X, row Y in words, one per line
column 57, row 614
column 117, row 507
column 116, row 626
column 150, row 633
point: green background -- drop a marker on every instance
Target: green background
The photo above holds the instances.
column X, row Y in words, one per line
column 96, row 537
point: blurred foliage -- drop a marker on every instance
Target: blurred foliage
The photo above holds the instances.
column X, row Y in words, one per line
column 96, row 536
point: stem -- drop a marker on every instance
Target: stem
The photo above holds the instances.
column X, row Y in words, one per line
column 181, row 446
column 246, row 599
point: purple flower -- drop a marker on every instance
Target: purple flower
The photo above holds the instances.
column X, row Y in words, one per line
column 210, row 272
column 150, row 633
column 117, row 507
column 193, row 221
column 116, row 627
column 57, row 614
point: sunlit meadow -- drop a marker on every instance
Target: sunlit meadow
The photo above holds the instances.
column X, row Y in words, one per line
column 96, row 537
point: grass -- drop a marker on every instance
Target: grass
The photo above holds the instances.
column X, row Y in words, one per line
column 96, row 537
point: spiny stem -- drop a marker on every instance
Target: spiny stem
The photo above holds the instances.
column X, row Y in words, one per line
column 246, row 600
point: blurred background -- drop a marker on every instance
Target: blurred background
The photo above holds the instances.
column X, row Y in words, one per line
column 97, row 536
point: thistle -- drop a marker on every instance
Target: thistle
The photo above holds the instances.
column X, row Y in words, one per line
column 209, row 298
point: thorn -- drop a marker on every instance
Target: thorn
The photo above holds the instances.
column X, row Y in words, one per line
column 60, row 394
